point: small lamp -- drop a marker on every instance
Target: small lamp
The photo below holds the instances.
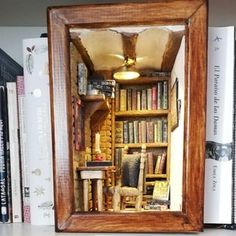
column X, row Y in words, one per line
column 127, row 71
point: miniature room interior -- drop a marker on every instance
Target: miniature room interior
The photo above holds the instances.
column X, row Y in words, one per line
column 127, row 106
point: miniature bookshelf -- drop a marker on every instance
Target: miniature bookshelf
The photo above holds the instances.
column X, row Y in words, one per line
column 136, row 121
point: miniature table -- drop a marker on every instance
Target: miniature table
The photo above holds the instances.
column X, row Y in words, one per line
column 96, row 174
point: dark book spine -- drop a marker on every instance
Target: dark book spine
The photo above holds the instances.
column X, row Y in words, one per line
column 126, row 131
column 165, row 95
column 9, row 68
column 131, row 131
column 118, row 155
column 129, row 99
column 159, row 94
column 117, row 98
column 4, row 214
column 164, row 131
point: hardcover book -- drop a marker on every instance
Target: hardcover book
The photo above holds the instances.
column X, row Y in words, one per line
column 24, row 157
column 14, row 152
column 82, row 78
column 123, row 99
column 38, row 130
column 4, row 150
column 219, row 127
column 161, row 190
column 9, row 68
column 117, row 97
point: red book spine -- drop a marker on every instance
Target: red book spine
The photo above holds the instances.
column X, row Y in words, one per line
column 154, row 98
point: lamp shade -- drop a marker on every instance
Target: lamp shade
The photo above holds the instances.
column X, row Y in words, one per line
column 126, row 73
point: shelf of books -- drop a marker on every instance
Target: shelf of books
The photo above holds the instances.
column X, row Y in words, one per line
column 141, row 117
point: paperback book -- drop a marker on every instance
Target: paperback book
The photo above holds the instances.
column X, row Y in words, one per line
column 219, row 127
column 38, row 131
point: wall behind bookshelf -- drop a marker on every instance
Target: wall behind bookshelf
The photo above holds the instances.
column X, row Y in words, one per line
column 33, row 13
column 31, row 24
column 11, row 39
column 222, row 13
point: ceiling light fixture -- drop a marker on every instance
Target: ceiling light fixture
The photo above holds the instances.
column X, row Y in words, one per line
column 127, row 71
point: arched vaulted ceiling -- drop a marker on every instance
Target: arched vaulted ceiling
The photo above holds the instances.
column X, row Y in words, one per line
column 152, row 48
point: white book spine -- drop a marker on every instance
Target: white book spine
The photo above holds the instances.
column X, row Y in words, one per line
column 234, row 161
column 38, row 130
column 24, row 157
column 218, row 167
column 14, row 152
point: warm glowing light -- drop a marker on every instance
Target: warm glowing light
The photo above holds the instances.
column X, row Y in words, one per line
column 126, row 73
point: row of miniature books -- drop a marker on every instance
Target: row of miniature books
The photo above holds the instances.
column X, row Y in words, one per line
column 156, row 205
column 142, row 98
column 156, row 163
column 141, row 131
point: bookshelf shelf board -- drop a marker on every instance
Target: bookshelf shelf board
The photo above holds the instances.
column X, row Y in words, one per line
column 95, row 103
column 138, row 145
column 161, row 176
column 144, row 80
column 93, row 98
column 152, row 183
column 141, row 113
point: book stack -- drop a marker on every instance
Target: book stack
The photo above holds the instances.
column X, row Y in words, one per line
column 106, row 87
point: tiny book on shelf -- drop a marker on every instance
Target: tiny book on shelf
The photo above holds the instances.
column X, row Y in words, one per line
column 161, row 190
column 219, row 126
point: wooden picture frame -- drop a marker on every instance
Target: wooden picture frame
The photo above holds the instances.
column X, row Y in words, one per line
column 192, row 14
column 174, row 119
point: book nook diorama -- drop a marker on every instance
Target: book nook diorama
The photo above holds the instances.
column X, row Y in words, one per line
column 128, row 115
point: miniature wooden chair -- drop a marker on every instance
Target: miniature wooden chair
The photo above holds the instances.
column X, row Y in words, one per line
column 132, row 179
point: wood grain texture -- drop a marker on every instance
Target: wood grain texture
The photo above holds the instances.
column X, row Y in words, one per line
column 60, row 19
column 61, row 117
column 195, row 116
column 83, row 52
column 129, row 45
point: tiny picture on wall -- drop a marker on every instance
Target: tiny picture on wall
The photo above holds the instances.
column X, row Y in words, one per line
column 174, row 119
